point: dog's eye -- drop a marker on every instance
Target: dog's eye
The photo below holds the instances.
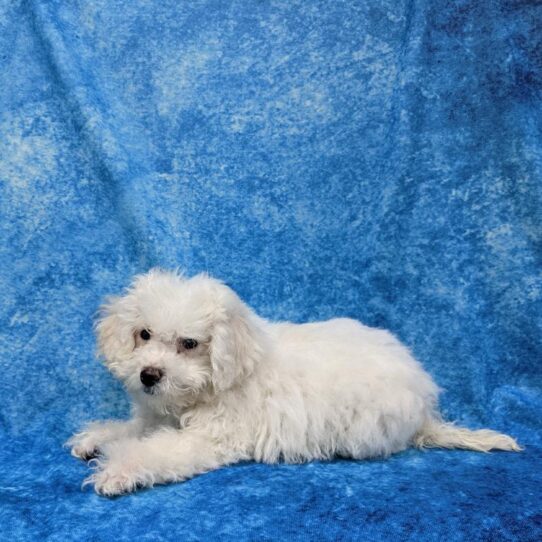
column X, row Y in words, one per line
column 145, row 334
column 189, row 344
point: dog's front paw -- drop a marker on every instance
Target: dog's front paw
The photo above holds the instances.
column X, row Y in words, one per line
column 84, row 445
column 85, row 453
column 111, row 480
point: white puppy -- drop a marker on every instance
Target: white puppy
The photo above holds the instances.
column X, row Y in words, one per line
column 212, row 384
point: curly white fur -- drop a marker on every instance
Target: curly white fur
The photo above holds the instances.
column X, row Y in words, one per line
column 252, row 389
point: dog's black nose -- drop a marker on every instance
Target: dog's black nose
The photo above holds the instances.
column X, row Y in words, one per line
column 150, row 376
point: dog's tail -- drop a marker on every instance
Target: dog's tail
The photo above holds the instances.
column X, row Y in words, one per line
column 439, row 434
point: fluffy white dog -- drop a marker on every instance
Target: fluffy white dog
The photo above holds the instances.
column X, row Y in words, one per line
column 212, row 384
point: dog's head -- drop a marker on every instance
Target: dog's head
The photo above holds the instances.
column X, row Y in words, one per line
column 171, row 340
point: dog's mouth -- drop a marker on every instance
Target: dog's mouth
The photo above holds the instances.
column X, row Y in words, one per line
column 150, row 390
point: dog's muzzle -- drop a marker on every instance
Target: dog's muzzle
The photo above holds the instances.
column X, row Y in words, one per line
column 150, row 376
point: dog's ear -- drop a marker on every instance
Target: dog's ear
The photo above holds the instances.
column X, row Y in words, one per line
column 236, row 343
column 115, row 330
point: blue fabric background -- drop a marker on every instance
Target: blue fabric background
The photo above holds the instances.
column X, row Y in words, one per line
column 378, row 159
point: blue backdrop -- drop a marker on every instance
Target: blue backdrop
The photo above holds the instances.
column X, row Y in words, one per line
column 378, row 159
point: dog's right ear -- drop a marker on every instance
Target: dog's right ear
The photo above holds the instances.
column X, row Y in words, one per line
column 115, row 330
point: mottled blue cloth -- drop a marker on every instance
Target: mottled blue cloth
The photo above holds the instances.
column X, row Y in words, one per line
column 378, row 159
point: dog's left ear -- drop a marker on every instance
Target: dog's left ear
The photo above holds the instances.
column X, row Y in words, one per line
column 236, row 344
